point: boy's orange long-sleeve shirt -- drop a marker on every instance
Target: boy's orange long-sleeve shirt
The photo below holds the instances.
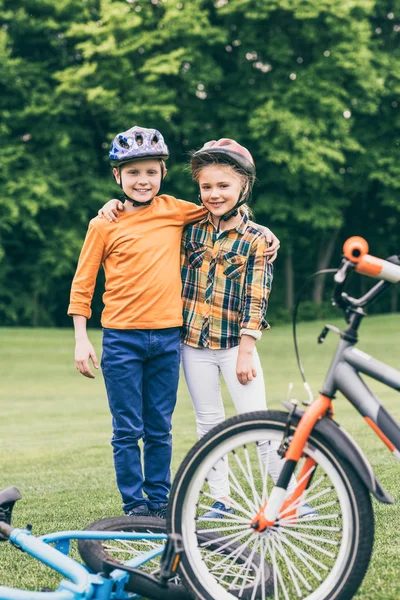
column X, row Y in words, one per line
column 141, row 259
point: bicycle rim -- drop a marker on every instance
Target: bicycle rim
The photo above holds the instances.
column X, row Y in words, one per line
column 309, row 555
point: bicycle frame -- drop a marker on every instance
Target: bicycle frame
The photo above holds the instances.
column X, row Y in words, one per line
column 82, row 585
column 343, row 375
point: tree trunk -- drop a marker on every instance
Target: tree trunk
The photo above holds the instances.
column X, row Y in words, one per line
column 324, row 258
column 289, row 279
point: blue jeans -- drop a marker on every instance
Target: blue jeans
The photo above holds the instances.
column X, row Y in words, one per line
column 141, row 372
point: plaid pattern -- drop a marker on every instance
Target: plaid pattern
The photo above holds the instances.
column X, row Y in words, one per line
column 226, row 282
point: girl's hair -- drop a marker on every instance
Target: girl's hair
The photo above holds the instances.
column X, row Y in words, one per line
column 211, row 159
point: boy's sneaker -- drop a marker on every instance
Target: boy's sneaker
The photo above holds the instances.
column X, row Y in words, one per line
column 161, row 511
column 305, row 510
column 141, row 510
column 217, row 510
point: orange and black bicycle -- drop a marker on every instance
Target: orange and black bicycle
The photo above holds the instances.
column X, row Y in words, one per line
column 281, row 550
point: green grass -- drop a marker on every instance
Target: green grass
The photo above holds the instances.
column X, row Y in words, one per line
column 55, row 431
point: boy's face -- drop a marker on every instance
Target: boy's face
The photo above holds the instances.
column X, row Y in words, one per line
column 141, row 179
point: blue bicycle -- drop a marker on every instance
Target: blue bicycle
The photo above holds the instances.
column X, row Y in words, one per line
column 125, row 557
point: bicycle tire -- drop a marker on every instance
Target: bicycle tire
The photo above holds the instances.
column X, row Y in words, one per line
column 353, row 540
column 94, row 553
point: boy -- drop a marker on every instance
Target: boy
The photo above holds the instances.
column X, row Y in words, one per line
column 142, row 316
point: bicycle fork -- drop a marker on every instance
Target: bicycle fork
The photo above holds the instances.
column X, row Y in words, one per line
column 277, row 505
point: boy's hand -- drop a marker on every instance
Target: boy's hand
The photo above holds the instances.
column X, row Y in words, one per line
column 83, row 351
column 245, row 370
column 273, row 244
column 111, row 210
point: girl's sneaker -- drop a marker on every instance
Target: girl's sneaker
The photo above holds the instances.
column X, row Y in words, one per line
column 217, row 511
column 305, row 510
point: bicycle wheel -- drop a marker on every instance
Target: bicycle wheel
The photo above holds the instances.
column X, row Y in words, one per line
column 321, row 556
column 144, row 580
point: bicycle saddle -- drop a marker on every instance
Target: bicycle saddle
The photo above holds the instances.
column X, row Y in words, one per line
column 8, row 498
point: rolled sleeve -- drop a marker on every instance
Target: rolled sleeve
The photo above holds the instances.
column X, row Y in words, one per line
column 258, row 281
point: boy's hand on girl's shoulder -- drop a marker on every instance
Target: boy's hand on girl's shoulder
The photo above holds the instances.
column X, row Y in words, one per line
column 273, row 244
column 83, row 352
column 111, row 210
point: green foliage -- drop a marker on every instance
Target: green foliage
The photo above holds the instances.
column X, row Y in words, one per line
column 312, row 87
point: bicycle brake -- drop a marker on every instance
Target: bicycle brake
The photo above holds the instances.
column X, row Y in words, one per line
column 284, row 445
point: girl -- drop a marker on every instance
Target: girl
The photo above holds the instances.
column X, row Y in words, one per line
column 226, row 281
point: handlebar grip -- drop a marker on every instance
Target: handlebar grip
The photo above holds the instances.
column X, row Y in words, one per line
column 356, row 249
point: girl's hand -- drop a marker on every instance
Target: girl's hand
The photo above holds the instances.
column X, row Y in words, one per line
column 245, row 370
column 83, row 351
column 111, row 210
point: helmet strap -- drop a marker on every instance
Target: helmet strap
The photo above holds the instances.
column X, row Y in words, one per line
column 243, row 198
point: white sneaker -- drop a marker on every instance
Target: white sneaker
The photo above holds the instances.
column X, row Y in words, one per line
column 305, row 510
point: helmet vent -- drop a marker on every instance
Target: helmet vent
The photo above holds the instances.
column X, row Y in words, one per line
column 139, row 139
column 123, row 143
column 154, row 141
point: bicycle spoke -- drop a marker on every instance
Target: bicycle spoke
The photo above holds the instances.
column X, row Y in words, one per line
column 222, row 529
column 246, row 567
column 317, row 538
column 239, row 490
column 302, row 556
column 231, row 538
column 277, row 571
column 321, row 527
column 308, row 542
column 250, row 479
column 229, row 516
column 293, row 569
column 264, row 474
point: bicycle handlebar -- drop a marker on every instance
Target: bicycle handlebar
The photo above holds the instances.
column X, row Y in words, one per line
column 355, row 249
column 356, row 257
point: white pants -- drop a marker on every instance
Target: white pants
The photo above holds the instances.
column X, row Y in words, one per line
column 202, row 368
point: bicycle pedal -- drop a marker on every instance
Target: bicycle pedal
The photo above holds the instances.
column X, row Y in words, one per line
column 170, row 557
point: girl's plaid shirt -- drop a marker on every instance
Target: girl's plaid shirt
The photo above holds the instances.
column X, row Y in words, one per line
column 226, row 281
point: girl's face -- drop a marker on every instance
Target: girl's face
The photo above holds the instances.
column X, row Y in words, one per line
column 141, row 179
column 220, row 187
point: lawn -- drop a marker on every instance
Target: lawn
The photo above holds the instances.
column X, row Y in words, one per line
column 55, row 436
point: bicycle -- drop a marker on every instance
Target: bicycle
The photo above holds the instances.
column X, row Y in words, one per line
column 150, row 570
column 125, row 557
column 322, row 555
